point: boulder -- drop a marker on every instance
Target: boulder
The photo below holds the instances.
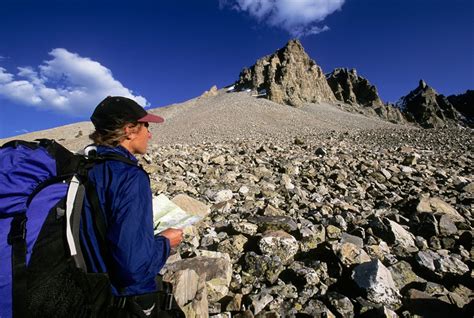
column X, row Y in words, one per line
column 279, row 243
column 350, row 254
column 190, row 292
column 403, row 274
column 438, row 207
column 376, row 280
column 216, row 270
column 441, row 264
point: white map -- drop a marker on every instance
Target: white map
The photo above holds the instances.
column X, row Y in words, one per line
column 166, row 214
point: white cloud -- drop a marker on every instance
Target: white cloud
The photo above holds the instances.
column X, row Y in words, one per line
column 67, row 83
column 298, row 17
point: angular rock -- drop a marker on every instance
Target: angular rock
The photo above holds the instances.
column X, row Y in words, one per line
column 403, row 274
column 438, row 207
column 447, row 226
column 356, row 240
column 217, row 272
column 428, row 108
column 441, row 264
column 316, row 308
column 189, row 290
column 262, row 267
column 376, row 280
column 260, row 301
column 223, row 195
column 341, row 304
column 311, row 236
column 235, row 303
column 190, row 205
column 333, row 232
column 402, row 237
column 234, row 246
column 350, row 254
column 245, row 227
column 351, row 88
column 268, row 223
column 279, row 243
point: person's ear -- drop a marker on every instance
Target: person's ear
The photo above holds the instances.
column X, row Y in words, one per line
column 130, row 132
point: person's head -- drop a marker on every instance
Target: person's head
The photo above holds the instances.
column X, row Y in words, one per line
column 121, row 121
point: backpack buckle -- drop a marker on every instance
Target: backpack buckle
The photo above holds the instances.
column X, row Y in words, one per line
column 17, row 229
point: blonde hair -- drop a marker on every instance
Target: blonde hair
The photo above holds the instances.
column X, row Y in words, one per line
column 114, row 136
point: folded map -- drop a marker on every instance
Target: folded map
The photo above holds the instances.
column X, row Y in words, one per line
column 167, row 214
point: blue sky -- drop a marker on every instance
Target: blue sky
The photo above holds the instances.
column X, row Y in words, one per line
column 58, row 59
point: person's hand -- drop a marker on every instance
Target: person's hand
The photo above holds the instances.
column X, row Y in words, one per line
column 174, row 235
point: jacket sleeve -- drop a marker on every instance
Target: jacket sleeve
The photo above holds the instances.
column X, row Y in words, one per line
column 136, row 254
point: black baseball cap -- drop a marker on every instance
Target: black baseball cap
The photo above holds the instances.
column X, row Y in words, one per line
column 114, row 108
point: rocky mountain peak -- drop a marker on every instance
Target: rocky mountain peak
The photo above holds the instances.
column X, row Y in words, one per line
column 288, row 76
column 350, row 88
column 422, row 84
column 428, row 108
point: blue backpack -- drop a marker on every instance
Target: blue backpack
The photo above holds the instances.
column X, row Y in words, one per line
column 42, row 269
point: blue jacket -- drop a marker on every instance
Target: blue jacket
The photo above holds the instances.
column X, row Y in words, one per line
column 136, row 255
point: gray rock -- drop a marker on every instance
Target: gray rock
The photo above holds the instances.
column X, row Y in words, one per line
column 403, row 274
column 217, row 272
column 342, row 304
column 438, row 207
column 447, row 226
column 348, row 238
column 261, row 267
column 376, row 280
column 260, row 301
column 279, row 243
column 190, row 292
column 441, row 264
column 350, row 254
column 266, row 223
column 223, row 195
column 311, row 236
column 316, row 308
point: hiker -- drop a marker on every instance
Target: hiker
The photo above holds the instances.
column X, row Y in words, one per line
column 76, row 231
column 134, row 255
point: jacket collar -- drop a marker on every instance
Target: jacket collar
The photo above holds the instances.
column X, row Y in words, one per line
column 117, row 150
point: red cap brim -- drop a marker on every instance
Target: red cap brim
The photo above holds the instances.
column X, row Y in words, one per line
column 150, row 118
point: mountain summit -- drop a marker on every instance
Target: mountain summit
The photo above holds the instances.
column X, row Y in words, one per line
column 288, row 76
column 428, row 108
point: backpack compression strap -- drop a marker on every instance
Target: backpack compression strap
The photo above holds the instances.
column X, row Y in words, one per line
column 17, row 239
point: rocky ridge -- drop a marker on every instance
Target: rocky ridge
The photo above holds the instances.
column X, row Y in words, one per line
column 428, row 108
column 288, row 76
column 359, row 96
column 464, row 103
column 353, row 89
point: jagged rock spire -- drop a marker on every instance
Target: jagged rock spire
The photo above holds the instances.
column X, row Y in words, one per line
column 428, row 108
column 288, row 76
column 350, row 88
